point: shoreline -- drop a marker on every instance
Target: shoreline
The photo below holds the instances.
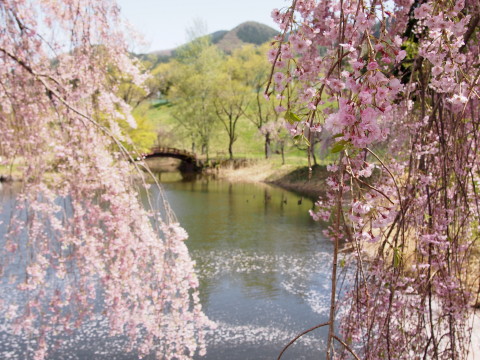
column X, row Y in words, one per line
column 293, row 178
column 289, row 177
column 8, row 179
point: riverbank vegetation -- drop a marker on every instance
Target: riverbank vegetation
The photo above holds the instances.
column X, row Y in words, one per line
column 210, row 101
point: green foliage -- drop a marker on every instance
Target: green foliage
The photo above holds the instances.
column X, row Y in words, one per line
column 195, row 81
column 255, row 33
column 144, row 135
column 397, row 257
column 339, row 146
column 292, row 117
column 232, row 98
column 207, row 101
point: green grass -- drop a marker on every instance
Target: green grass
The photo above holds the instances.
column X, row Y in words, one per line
column 249, row 143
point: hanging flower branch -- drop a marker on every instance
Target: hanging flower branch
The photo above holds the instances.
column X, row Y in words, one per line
column 396, row 86
column 78, row 234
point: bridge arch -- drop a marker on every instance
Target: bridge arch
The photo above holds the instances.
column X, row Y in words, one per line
column 189, row 158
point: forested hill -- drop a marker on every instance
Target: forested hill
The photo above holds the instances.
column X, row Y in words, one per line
column 249, row 32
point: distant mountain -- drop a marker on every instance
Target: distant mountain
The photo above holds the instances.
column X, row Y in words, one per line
column 217, row 36
column 249, row 32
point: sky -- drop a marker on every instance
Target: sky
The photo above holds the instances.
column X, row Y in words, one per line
column 164, row 22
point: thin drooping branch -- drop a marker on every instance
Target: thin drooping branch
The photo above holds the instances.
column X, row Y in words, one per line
column 346, row 347
column 333, row 293
column 472, row 27
column 284, row 35
column 299, row 336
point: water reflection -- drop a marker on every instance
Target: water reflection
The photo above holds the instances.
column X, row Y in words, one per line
column 263, row 267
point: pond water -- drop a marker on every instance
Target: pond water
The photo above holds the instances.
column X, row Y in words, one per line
column 263, row 266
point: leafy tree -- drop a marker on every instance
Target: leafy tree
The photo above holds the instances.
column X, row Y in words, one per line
column 231, row 100
column 194, row 86
column 144, row 136
column 162, row 76
column 130, row 91
column 253, row 71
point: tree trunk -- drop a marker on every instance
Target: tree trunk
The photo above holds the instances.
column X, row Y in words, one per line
column 313, row 152
column 230, row 148
column 267, row 145
column 205, row 150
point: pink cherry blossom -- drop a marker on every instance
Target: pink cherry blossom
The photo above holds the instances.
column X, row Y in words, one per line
column 60, row 113
column 411, row 296
column 373, row 65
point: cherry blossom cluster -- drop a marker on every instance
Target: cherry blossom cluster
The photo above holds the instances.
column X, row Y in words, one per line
column 79, row 238
column 396, row 87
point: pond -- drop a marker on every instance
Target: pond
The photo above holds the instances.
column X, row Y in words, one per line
column 263, row 266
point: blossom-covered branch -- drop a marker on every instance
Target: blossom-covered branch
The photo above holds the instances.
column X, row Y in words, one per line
column 78, row 235
column 399, row 79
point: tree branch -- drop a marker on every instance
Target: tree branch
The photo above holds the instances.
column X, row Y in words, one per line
column 346, row 347
column 300, row 335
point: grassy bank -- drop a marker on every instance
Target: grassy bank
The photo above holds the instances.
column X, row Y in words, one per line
column 292, row 176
